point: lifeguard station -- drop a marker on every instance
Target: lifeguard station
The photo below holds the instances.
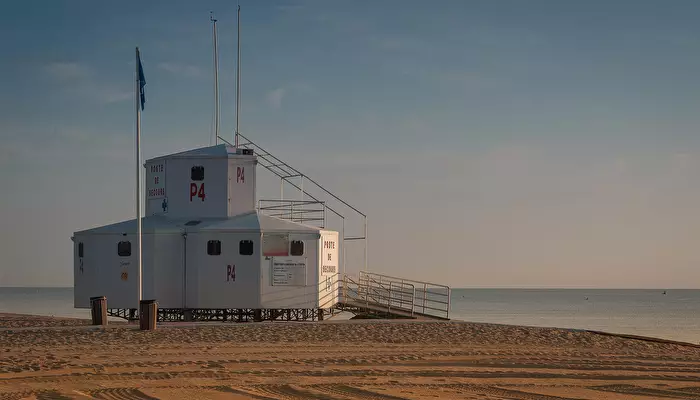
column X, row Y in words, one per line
column 211, row 251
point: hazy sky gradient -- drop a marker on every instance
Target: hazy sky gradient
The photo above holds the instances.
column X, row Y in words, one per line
column 491, row 143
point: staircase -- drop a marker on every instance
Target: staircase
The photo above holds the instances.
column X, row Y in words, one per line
column 383, row 296
column 318, row 206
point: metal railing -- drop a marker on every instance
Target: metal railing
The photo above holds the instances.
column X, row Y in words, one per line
column 293, row 177
column 397, row 294
column 428, row 299
column 329, row 287
column 302, row 211
column 391, row 297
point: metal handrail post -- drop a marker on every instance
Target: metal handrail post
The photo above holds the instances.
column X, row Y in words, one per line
column 413, row 299
column 345, row 271
column 389, row 301
column 366, row 243
column 449, row 298
column 366, row 295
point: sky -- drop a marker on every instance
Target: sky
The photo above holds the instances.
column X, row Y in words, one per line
column 491, row 143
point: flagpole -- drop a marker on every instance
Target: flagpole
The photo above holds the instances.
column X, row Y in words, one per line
column 217, row 119
column 238, row 75
column 138, row 173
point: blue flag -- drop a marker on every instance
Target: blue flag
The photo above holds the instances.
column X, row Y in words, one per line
column 142, row 80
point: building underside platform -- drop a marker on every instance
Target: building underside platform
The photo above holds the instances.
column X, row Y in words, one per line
column 225, row 315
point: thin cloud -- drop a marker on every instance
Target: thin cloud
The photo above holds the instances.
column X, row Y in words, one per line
column 67, row 71
column 59, row 143
column 274, row 97
column 103, row 93
column 189, row 71
column 111, row 94
column 471, row 80
column 396, row 43
column 289, row 7
column 81, row 81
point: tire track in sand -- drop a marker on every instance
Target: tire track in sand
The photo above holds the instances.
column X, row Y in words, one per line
column 510, row 393
column 289, row 392
column 643, row 391
column 121, row 394
column 354, row 392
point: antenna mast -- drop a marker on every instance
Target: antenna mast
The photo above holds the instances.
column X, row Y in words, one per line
column 238, row 75
column 217, row 119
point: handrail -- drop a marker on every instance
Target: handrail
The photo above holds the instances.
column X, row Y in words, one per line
column 295, row 210
column 286, row 172
column 390, row 297
column 402, row 279
column 333, row 292
column 299, row 173
column 394, row 294
column 425, row 298
column 301, row 202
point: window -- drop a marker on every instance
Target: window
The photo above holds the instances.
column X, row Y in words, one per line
column 197, row 173
column 297, row 248
column 80, row 249
column 245, row 248
column 124, row 249
column 214, row 247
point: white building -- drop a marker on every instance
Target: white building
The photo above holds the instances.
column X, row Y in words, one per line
column 205, row 246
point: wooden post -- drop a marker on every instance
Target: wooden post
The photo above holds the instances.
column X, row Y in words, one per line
column 148, row 314
column 98, row 307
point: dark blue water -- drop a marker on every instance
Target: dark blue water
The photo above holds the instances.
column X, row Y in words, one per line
column 675, row 315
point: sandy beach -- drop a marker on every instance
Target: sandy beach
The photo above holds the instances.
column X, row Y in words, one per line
column 61, row 358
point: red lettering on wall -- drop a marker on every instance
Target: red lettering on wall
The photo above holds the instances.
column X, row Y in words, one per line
column 193, row 190
column 240, row 175
column 230, row 273
column 197, row 191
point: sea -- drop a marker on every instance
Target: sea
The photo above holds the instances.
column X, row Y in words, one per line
column 670, row 314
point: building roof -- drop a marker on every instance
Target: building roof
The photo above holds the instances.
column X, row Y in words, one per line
column 248, row 222
column 218, row 151
column 151, row 224
column 257, row 222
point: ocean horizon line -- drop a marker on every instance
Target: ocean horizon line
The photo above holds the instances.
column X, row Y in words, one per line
column 461, row 288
